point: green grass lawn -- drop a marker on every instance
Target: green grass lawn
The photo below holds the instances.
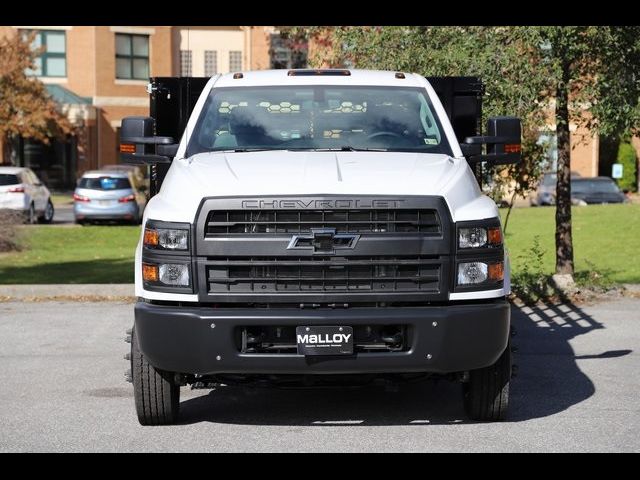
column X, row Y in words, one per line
column 605, row 235
column 70, row 254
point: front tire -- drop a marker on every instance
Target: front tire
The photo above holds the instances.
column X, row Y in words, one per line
column 486, row 394
column 156, row 396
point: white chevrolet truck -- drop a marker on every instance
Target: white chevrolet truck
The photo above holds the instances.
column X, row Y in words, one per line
column 319, row 227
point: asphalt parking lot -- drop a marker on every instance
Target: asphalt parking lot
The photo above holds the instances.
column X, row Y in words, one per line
column 63, row 389
column 63, row 214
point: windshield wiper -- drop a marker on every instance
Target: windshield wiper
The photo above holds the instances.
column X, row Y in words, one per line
column 245, row 149
column 345, row 148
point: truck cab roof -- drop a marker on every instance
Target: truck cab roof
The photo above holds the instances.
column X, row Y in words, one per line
column 319, row 77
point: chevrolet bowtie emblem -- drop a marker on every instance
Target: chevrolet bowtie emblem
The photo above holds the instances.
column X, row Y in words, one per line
column 323, row 241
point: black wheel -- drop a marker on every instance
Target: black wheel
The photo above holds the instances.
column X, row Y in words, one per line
column 156, row 396
column 486, row 394
column 47, row 216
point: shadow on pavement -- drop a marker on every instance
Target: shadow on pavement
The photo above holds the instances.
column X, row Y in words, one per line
column 549, row 381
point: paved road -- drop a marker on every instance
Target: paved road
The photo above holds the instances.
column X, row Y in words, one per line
column 63, row 214
column 62, row 389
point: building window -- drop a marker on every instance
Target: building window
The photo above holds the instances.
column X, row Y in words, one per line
column 235, row 61
column 210, row 63
column 132, row 56
column 52, row 62
column 287, row 55
column 185, row 63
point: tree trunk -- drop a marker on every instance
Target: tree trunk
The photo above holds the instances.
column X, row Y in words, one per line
column 506, row 220
column 564, row 241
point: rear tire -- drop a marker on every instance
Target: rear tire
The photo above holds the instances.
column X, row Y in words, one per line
column 486, row 394
column 156, row 396
column 47, row 215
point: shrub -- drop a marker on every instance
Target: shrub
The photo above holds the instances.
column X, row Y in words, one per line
column 9, row 240
column 627, row 157
column 531, row 283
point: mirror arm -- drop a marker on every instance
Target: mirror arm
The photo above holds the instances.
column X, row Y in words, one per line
column 148, row 140
column 148, row 158
column 492, row 140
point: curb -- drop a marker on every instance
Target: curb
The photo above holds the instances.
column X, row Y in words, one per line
column 68, row 292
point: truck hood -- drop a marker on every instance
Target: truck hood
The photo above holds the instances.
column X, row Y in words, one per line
column 290, row 173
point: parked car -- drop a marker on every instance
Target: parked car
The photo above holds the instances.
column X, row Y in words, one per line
column 546, row 191
column 140, row 173
column 21, row 190
column 108, row 195
column 595, row 190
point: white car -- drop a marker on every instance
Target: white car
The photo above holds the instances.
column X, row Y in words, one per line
column 21, row 190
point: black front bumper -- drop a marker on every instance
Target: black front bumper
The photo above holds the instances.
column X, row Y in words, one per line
column 442, row 339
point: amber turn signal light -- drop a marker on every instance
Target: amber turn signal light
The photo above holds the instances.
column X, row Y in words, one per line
column 496, row 271
column 150, row 237
column 149, row 272
column 494, row 236
column 127, row 148
column 512, row 148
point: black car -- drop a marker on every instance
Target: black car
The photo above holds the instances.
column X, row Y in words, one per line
column 595, row 190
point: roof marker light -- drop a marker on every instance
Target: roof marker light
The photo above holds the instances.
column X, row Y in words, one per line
column 328, row 71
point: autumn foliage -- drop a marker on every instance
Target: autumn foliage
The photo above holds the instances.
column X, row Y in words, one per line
column 25, row 106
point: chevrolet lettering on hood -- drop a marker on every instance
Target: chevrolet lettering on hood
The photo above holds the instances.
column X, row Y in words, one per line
column 341, row 203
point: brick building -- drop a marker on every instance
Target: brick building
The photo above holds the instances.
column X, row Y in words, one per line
column 98, row 75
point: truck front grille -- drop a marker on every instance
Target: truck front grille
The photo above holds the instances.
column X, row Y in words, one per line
column 310, row 250
column 370, row 221
column 327, row 274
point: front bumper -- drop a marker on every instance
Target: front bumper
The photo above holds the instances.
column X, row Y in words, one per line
column 442, row 339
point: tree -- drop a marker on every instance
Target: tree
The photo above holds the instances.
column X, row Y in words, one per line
column 592, row 74
column 25, row 107
column 594, row 70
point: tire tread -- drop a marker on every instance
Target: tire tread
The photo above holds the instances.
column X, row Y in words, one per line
column 486, row 394
column 157, row 398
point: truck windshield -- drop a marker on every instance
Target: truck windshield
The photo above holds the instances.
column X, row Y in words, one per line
column 318, row 118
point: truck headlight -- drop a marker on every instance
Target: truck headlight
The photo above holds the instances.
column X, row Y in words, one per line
column 473, row 273
column 169, row 274
column 166, row 238
column 174, row 274
column 477, row 237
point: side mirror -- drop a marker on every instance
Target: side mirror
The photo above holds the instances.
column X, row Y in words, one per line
column 503, row 142
column 139, row 145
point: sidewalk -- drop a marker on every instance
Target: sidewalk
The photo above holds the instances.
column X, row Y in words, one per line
column 78, row 292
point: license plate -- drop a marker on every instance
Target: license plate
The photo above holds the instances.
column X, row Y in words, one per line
column 324, row 340
column 105, row 202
